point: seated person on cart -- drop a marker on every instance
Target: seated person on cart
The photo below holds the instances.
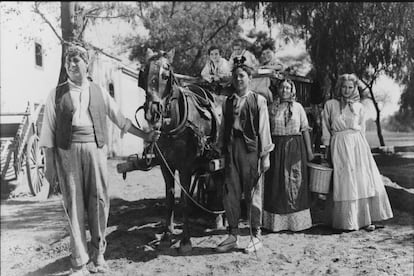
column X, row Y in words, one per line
column 217, row 68
column 263, row 83
column 216, row 73
column 268, row 58
column 239, row 51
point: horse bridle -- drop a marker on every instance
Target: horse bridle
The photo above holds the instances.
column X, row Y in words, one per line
column 154, row 109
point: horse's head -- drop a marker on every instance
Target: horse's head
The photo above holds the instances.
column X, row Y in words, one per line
column 156, row 79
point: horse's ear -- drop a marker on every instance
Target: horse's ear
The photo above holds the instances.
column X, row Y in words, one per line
column 149, row 54
column 170, row 55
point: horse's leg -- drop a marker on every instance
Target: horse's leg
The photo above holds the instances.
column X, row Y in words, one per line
column 185, row 180
column 170, row 198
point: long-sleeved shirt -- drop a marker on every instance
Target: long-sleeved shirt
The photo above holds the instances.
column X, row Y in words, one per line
column 297, row 123
column 221, row 69
column 333, row 120
column 81, row 116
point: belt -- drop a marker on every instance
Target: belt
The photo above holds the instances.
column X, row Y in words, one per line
column 83, row 134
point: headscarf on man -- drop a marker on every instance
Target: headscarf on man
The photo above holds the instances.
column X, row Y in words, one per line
column 77, row 50
column 288, row 112
column 353, row 98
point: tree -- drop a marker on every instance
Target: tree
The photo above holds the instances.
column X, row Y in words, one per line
column 190, row 28
column 366, row 38
column 75, row 17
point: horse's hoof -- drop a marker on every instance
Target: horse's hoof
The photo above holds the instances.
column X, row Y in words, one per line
column 185, row 247
column 166, row 241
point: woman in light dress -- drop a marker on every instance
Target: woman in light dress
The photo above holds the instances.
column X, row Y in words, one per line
column 359, row 197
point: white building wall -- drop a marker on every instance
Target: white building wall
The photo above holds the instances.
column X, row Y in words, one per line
column 21, row 80
column 132, row 98
column 128, row 96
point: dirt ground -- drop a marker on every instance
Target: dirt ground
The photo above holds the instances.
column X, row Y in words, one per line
column 35, row 241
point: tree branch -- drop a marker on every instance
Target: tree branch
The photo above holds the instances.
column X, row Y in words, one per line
column 101, row 51
column 36, row 10
column 126, row 15
column 172, row 9
column 91, row 11
column 219, row 29
column 84, row 24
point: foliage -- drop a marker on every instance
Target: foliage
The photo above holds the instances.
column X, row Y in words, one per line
column 403, row 120
column 190, row 28
column 365, row 38
column 360, row 37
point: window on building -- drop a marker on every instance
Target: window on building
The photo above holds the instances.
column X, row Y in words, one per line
column 38, row 54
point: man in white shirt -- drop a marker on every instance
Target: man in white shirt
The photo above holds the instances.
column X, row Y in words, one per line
column 74, row 133
column 217, row 68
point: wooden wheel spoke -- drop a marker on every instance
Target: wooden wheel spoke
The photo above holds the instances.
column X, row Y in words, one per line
column 34, row 165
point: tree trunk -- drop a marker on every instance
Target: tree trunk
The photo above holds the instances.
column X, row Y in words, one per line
column 378, row 119
column 67, row 10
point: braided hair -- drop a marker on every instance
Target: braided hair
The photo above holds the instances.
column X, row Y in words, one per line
column 288, row 112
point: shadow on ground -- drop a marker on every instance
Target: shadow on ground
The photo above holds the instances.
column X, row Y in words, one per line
column 29, row 213
column 56, row 268
column 138, row 226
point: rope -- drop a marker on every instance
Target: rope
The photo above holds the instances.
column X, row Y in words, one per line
column 182, row 188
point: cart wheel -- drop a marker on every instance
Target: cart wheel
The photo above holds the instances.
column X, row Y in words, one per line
column 35, row 166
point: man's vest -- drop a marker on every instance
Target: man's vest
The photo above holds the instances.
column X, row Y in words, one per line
column 249, row 121
column 64, row 115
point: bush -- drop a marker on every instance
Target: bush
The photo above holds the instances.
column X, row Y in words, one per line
column 401, row 121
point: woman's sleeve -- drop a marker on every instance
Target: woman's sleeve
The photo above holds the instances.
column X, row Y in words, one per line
column 326, row 126
column 304, row 123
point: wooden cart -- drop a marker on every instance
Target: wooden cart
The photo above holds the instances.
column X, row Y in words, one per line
column 20, row 152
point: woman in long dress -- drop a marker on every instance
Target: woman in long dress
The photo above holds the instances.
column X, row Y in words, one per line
column 286, row 189
column 359, row 197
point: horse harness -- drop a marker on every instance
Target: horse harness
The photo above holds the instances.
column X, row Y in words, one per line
column 184, row 108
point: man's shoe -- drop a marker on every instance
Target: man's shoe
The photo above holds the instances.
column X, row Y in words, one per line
column 79, row 271
column 254, row 245
column 228, row 244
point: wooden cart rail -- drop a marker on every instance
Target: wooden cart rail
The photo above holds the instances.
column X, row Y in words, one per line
column 20, row 146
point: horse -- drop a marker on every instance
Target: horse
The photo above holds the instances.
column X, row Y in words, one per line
column 189, row 118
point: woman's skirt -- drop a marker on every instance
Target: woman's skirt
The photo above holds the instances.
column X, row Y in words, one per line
column 359, row 196
column 286, row 189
